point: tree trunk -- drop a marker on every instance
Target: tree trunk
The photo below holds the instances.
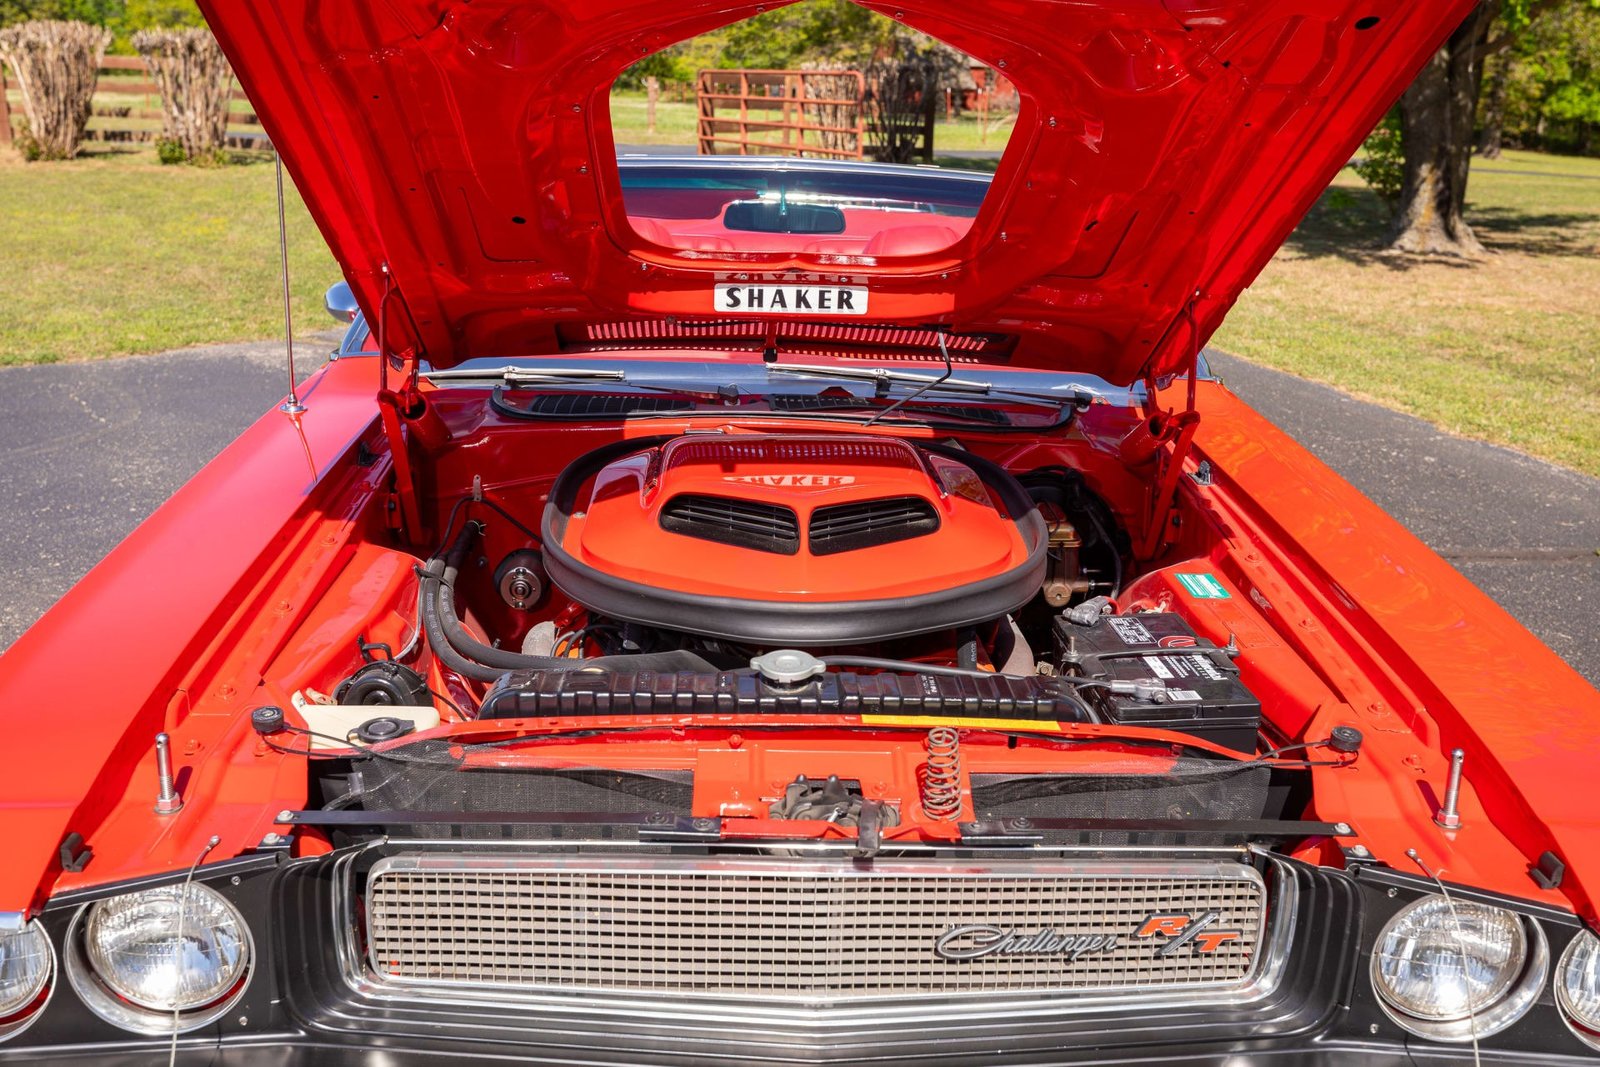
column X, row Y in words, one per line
column 56, row 65
column 196, row 83
column 1437, row 114
column 1492, row 136
column 652, row 93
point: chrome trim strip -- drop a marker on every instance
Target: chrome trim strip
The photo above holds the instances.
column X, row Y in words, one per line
column 17, row 1024
column 118, row 1012
column 620, row 1010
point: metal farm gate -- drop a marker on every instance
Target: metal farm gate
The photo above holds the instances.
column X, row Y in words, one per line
column 781, row 112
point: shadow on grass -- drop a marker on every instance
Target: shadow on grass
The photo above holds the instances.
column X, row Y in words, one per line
column 1353, row 225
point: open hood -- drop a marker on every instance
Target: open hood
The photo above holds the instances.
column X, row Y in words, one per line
column 458, row 155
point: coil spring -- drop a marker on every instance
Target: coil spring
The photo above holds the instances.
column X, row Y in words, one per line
column 941, row 781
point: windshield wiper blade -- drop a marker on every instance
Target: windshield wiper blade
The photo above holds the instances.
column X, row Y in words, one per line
column 884, row 376
column 513, row 375
column 934, row 384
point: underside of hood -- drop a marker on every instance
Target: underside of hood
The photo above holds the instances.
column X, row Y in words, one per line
column 457, row 154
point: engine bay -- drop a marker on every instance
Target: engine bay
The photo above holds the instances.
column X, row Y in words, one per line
column 809, row 633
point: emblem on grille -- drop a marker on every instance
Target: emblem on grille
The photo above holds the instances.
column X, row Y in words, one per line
column 1191, row 931
column 1177, row 930
column 980, row 940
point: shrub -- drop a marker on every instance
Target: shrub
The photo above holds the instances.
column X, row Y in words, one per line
column 1383, row 163
column 170, row 151
column 195, row 82
column 55, row 65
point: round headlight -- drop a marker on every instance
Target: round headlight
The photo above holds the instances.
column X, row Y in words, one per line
column 25, row 966
column 1578, row 986
column 1452, row 969
column 175, row 948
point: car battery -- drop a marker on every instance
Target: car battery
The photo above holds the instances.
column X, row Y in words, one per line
column 1168, row 677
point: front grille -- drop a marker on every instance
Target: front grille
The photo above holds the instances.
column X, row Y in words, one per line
column 808, row 934
column 847, row 527
column 746, row 523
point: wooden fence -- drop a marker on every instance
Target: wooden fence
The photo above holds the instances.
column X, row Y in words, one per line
column 781, row 112
column 127, row 107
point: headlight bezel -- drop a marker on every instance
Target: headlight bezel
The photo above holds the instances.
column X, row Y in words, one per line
column 1581, row 1029
column 34, row 1006
column 1519, row 993
column 101, row 998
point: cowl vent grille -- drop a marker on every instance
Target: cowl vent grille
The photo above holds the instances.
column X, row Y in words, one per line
column 728, row 521
column 847, row 527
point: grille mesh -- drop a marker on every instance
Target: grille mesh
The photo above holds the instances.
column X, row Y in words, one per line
column 801, row 935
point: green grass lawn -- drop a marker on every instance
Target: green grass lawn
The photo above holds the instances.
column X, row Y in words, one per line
column 1506, row 349
column 113, row 253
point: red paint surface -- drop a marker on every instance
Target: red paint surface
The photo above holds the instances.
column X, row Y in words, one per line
column 1162, row 153
column 617, row 529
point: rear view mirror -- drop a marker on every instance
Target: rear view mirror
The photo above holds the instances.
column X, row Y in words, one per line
column 341, row 303
column 780, row 216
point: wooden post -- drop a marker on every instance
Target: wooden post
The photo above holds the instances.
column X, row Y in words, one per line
column 5, row 109
column 652, row 93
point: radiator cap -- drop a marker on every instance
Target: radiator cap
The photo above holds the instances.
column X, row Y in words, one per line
column 788, row 666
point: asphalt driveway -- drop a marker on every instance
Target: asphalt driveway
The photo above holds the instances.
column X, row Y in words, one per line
column 89, row 449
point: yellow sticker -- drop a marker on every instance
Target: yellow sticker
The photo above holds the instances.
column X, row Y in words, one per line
column 1036, row 725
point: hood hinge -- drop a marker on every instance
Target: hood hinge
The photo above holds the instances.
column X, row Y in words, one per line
column 1177, row 428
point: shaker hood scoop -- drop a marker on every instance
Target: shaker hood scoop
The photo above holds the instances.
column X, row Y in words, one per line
column 459, row 154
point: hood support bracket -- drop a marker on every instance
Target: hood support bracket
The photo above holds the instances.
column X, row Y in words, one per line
column 1177, row 428
column 392, row 405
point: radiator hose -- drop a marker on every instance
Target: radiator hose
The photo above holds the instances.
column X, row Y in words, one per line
column 471, row 658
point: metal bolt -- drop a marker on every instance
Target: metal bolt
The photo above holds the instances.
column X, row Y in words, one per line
column 285, row 816
column 1359, row 850
column 1392, row 893
column 1373, row 1028
column 704, row 824
column 244, row 1020
column 235, row 880
column 167, row 800
column 1449, row 816
column 1341, row 828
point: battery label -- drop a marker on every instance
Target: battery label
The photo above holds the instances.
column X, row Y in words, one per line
column 1182, row 694
column 1131, row 631
column 1203, row 586
column 1169, row 667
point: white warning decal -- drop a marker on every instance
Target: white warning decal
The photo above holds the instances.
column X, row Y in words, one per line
column 1131, row 631
column 1156, row 665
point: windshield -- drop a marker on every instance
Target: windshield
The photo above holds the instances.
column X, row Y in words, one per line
column 840, row 209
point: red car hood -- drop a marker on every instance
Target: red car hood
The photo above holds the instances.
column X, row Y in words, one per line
column 1163, row 152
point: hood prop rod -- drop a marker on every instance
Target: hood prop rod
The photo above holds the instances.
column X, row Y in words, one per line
column 291, row 406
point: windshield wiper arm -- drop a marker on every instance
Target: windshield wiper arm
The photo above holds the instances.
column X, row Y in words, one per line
column 933, row 384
